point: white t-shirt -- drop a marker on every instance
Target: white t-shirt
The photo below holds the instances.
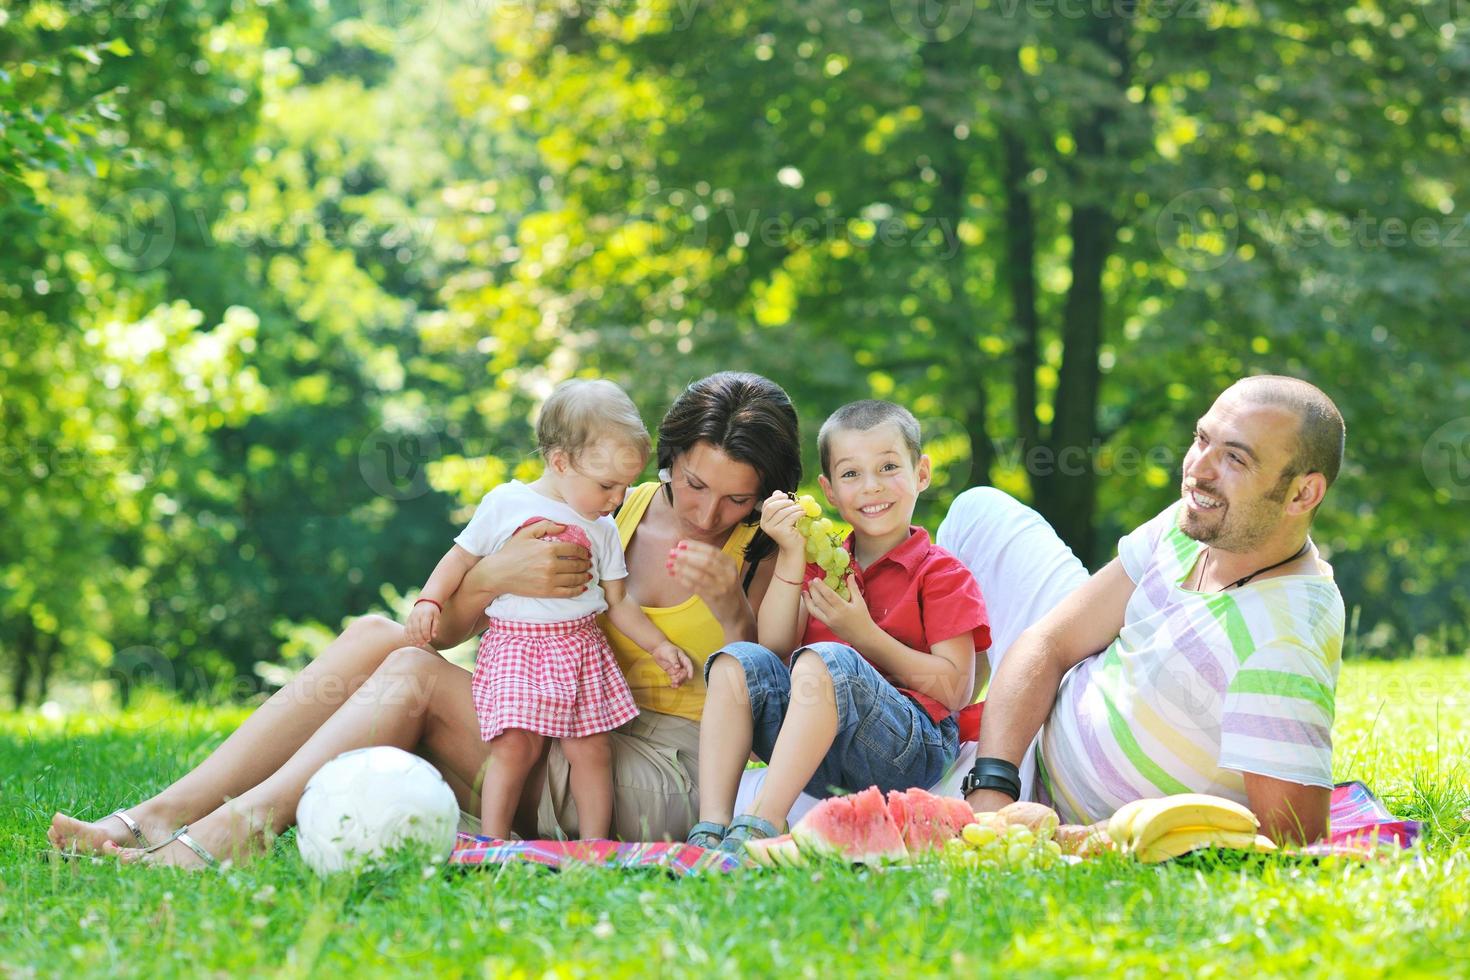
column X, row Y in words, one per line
column 1199, row 687
column 503, row 511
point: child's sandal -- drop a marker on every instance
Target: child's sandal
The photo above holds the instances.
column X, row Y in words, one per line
column 747, row 827
column 706, row 834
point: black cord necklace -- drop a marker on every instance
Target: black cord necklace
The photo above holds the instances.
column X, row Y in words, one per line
column 1241, row 581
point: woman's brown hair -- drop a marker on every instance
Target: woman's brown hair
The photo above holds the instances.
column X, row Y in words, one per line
column 748, row 418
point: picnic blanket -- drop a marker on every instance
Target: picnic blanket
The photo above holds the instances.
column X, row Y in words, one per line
column 1361, row 827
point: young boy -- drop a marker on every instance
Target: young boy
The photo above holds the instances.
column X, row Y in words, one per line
column 874, row 681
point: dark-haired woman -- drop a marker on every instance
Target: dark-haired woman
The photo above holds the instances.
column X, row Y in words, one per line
column 696, row 564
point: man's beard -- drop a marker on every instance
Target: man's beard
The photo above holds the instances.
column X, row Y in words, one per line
column 1244, row 527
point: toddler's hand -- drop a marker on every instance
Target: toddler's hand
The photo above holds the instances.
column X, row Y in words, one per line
column 779, row 515
column 674, row 661
column 423, row 625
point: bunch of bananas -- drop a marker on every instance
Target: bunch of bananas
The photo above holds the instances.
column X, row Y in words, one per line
column 1160, row 829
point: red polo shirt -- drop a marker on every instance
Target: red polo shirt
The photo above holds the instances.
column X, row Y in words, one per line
column 920, row 595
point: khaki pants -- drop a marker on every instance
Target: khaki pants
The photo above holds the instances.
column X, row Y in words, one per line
column 655, row 783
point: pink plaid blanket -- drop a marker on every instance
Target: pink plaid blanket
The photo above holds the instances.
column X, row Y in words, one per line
column 1361, row 827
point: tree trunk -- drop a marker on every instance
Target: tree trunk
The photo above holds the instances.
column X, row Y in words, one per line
column 1070, row 496
column 1021, row 276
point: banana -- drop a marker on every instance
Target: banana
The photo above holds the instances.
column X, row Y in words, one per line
column 1186, row 839
column 1162, row 817
column 1120, row 826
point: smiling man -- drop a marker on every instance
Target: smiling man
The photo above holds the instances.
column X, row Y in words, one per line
column 1204, row 658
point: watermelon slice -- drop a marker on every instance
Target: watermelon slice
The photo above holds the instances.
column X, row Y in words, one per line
column 927, row 821
column 858, row 828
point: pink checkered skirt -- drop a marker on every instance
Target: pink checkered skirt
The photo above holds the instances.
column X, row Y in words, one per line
column 558, row 679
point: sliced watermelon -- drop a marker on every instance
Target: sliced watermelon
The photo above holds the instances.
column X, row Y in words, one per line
column 858, row 828
column 926, row 820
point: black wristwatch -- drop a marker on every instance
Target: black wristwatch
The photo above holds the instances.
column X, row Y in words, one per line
column 996, row 774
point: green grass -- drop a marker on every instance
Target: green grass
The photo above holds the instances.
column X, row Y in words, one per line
column 1401, row 727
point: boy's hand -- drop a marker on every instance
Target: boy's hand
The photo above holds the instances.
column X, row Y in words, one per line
column 674, row 661
column 423, row 625
column 849, row 619
column 778, row 519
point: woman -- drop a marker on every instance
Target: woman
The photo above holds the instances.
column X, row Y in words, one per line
column 696, row 564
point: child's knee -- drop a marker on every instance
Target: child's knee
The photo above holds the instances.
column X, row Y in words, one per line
column 810, row 679
column 589, row 750
column 517, row 745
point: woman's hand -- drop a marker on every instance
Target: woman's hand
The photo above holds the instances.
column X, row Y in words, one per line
column 530, row 566
column 779, row 515
column 714, row 577
column 525, row 565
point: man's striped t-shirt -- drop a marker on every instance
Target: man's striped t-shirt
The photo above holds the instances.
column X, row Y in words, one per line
column 1198, row 688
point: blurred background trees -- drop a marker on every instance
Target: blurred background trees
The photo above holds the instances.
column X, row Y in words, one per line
column 283, row 282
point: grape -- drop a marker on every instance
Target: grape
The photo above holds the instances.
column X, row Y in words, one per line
column 1017, row 849
column 824, row 545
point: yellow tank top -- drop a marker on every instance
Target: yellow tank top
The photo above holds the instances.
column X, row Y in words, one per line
column 690, row 624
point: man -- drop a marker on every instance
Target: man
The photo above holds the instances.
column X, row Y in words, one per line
column 1220, row 630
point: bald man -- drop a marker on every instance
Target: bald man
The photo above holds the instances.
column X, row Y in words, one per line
column 1204, row 657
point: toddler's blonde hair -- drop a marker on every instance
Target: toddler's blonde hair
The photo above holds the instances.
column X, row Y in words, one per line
column 582, row 411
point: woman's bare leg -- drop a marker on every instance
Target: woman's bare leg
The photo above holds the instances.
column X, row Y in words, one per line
column 416, row 700
column 257, row 748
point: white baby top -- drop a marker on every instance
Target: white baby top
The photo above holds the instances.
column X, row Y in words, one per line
column 509, row 506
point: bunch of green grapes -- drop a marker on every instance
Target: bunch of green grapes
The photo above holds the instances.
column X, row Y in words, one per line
column 824, row 545
column 1016, row 848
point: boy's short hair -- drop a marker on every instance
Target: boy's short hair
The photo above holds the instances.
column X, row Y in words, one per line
column 582, row 411
column 867, row 414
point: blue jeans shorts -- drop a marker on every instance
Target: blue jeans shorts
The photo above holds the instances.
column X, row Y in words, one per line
column 884, row 738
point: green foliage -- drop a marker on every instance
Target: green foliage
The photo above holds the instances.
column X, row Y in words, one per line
column 283, row 282
column 1275, row 917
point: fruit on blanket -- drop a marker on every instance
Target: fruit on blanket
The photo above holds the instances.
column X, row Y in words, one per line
column 1156, row 830
column 927, row 821
column 1120, row 827
column 1083, row 840
column 760, row 850
column 1189, row 810
column 1178, row 842
column 1040, row 818
column 857, row 828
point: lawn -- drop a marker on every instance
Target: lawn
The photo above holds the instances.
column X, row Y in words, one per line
column 1401, row 727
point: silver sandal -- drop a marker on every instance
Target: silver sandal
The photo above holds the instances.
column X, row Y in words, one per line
column 182, row 836
column 132, row 826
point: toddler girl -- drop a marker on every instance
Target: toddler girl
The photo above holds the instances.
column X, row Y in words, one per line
column 544, row 668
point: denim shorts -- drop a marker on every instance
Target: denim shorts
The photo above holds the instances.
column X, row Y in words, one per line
column 884, row 738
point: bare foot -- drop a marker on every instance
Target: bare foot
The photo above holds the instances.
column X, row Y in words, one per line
column 81, row 837
column 225, row 836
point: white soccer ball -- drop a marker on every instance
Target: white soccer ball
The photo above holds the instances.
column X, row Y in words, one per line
column 366, row 802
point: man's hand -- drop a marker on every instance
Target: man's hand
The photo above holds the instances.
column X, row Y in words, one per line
column 849, row 619
column 988, row 800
